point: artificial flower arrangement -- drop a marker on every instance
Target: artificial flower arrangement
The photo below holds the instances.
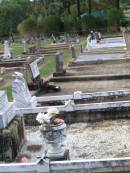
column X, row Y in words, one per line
column 49, row 117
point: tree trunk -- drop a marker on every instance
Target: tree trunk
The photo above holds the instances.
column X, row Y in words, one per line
column 78, row 8
column 89, row 7
column 117, row 4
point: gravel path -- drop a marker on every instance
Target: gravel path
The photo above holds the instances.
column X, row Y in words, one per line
column 107, row 139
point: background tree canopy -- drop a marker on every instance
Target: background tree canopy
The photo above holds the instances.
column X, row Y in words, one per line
column 31, row 17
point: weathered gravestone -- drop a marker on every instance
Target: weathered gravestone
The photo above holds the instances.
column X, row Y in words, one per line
column 126, row 37
column 59, row 64
column 25, row 50
column 74, row 56
column 11, row 130
column 21, row 95
column 34, row 80
column 6, row 110
column 7, row 53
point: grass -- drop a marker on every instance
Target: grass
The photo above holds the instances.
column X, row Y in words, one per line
column 46, row 69
column 49, row 67
column 8, row 90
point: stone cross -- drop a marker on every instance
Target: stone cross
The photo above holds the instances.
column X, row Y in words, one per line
column 21, row 95
column 7, row 53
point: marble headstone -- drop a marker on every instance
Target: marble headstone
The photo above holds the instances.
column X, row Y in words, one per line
column 7, row 53
column 7, row 112
column 21, row 95
column 34, row 69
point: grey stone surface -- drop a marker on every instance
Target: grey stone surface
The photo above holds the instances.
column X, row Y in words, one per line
column 34, row 69
column 24, row 45
column 21, row 95
column 54, row 135
column 59, row 62
column 74, row 56
column 7, row 53
column 6, row 110
column 98, row 57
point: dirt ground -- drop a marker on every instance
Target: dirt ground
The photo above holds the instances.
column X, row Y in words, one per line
column 100, row 69
column 91, row 86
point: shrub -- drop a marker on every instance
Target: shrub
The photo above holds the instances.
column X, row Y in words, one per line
column 28, row 26
column 91, row 22
column 114, row 17
column 53, row 24
column 69, row 23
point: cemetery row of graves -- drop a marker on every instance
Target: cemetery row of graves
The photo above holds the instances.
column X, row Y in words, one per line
column 74, row 116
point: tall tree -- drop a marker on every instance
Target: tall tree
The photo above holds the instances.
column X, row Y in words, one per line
column 89, row 7
column 78, row 8
column 117, row 3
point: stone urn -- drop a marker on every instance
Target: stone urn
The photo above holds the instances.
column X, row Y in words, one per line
column 54, row 136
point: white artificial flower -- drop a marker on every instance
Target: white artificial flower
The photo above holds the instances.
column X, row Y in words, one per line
column 40, row 118
column 52, row 111
column 45, row 118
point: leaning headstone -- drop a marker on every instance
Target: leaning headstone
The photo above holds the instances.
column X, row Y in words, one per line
column 21, row 95
column 34, row 69
column 7, row 53
column 6, row 110
column 59, row 64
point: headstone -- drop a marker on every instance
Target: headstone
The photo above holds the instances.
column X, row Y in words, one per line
column 126, row 37
column 24, row 46
column 6, row 110
column 2, row 70
column 81, row 48
column 59, row 64
column 53, row 38
column 74, row 56
column 21, row 95
column 88, row 45
column 34, row 69
column 7, row 53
